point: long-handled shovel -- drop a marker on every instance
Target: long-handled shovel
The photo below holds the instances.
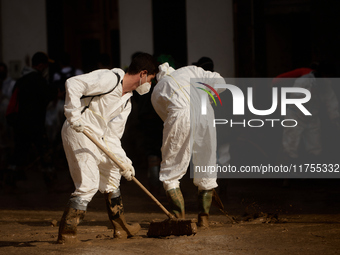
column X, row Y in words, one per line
column 172, row 226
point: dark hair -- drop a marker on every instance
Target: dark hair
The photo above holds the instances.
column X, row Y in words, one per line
column 39, row 58
column 135, row 54
column 143, row 61
column 206, row 63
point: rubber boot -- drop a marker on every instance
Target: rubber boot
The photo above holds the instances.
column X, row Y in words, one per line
column 115, row 211
column 68, row 225
column 176, row 202
column 204, row 203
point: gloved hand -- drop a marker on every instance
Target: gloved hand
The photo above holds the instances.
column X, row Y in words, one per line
column 78, row 126
column 128, row 172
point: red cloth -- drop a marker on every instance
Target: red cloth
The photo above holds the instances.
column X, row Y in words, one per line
column 292, row 74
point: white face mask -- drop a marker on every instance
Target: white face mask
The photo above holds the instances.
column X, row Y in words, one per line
column 144, row 88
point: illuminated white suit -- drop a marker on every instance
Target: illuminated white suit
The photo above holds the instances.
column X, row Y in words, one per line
column 105, row 120
column 186, row 131
column 308, row 128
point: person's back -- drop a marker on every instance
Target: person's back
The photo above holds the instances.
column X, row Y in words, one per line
column 33, row 97
column 173, row 87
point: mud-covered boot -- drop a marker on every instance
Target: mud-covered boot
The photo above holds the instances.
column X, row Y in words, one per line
column 115, row 211
column 204, row 203
column 176, row 202
column 68, row 225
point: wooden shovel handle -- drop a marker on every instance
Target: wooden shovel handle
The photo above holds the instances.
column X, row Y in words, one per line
column 153, row 198
column 114, row 159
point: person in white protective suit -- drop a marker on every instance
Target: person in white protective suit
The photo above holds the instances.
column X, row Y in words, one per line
column 308, row 129
column 99, row 102
column 187, row 133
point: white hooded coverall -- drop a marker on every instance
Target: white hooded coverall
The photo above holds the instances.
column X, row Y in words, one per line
column 186, row 131
column 105, row 120
column 308, row 128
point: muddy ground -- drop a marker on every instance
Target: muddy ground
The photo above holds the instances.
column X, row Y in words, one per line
column 303, row 218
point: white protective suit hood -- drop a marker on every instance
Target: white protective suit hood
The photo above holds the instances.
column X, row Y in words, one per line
column 119, row 71
column 164, row 69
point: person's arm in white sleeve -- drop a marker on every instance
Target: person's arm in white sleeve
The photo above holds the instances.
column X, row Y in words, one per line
column 112, row 140
column 114, row 133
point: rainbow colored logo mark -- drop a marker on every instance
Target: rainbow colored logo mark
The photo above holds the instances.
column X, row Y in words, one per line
column 208, row 92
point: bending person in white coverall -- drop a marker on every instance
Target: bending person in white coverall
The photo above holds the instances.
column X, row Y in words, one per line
column 186, row 133
column 99, row 102
column 308, row 129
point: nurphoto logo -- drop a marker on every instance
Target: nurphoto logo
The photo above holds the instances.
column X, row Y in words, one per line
column 238, row 99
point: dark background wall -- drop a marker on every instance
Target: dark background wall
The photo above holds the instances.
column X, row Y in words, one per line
column 275, row 36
